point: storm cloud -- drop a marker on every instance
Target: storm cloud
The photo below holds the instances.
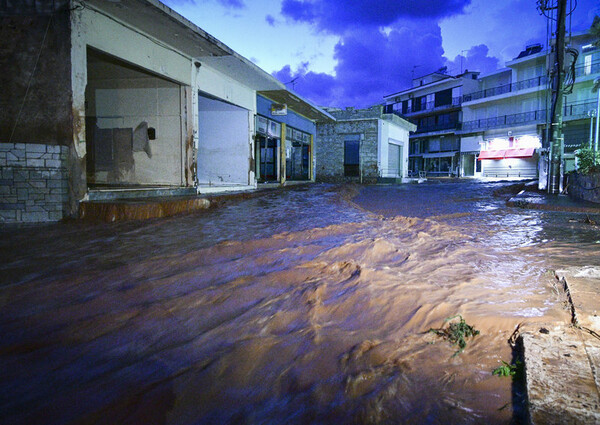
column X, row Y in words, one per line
column 383, row 45
column 336, row 16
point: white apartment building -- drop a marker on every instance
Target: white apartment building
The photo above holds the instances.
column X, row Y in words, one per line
column 505, row 121
column 433, row 103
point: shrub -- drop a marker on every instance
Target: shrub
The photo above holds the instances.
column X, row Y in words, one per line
column 588, row 161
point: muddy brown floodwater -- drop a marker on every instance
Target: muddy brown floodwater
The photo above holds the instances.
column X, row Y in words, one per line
column 307, row 305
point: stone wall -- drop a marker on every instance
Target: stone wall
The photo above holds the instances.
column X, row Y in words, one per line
column 329, row 144
column 33, row 182
column 584, row 187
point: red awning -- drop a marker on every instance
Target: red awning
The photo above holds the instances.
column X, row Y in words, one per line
column 498, row 154
column 519, row 153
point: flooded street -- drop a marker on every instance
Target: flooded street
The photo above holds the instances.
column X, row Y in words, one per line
column 304, row 305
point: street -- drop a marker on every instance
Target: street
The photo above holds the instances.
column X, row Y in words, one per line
column 310, row 304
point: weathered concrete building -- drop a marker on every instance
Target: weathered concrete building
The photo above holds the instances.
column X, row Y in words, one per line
column 362, row 145
column 107, row 100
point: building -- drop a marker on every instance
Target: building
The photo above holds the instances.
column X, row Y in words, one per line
column 433, row 104
column 108, row 100
column 363, row 145
column 508, row 115
column 285, row 135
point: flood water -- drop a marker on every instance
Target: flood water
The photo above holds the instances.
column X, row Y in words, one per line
column 309, row 305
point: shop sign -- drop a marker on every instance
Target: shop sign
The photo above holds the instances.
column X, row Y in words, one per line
column 278, row 109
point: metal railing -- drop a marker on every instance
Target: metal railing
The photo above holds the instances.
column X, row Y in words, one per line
column 453, row 125
column 429, row 106
column 506, row 88
column 580, row 108
column 502, row 120
column 583, row 70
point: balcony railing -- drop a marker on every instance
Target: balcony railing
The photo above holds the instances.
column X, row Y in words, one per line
column 581, row 108
column 514, row 119
column 429, row 106
column 583, row 70
column 438, row 127
column 506, row 88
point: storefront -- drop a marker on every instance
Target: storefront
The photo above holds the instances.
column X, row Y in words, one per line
column 285, row 129
column 510, row 157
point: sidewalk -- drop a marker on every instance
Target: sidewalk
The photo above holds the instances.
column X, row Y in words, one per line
column 562, row 360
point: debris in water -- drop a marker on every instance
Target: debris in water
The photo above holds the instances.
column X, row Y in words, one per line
column 456, row 332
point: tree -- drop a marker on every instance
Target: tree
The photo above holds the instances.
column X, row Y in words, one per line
column 595, row 30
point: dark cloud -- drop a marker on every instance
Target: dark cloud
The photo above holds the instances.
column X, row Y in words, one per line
column 337, row 16
column 270, row 20
column 372, row 64
column 476, row 59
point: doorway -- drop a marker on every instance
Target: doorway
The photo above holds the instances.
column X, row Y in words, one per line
column 268, row 148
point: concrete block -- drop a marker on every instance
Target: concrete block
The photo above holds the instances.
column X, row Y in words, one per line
column 22, row 194
column 8, row 215
column 34, row 155
column 53, row 163
column 53, row 183
column 55, row 215
column 34, row 147
column 7, row 174
column 53, row 149
column 38, row 184
column 60, row 191
column 4, row 147
column 18, row 153
column 53, row 198
column 21, row 175
column 35, row 217
column 3, row 162
column 35, row 163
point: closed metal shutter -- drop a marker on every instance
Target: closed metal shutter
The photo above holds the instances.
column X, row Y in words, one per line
column 394, row 159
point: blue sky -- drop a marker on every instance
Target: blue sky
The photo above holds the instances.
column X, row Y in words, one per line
column 354, row 52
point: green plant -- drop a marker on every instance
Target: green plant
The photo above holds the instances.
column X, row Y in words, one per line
column 509, row 369
column 588, row 160
column 456, row 332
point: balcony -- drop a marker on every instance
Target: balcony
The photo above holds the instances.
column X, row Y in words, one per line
column 506, row 88
column 579, row 109
column 425, row 107
column 505, row 120
column 438, row 127
column 585, row 70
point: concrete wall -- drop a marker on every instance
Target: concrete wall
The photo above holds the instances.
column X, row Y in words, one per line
column 223, row 146
column 583, row 187
column 33, row 182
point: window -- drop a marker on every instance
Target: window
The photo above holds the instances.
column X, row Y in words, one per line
column 443, row 97
column 587, row 67
column 352, row 155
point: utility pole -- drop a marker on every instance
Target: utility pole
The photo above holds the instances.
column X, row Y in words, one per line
column 556, row 144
